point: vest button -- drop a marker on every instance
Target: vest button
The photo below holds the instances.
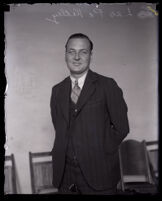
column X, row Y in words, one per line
column 76, row 110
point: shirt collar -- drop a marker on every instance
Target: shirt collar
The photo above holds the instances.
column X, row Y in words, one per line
column 81, row 80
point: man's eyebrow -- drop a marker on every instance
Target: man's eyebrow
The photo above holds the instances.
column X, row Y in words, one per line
column 70, row 48
column 75, row 49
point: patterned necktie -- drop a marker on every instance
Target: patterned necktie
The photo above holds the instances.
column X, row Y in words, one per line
column 75, row 92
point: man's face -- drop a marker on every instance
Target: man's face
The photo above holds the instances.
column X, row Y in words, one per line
column 78, row 55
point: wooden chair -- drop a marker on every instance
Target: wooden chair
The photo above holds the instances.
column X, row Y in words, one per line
column 41, row 173
column 152, row 147
column 134, row 168
column 10, row 175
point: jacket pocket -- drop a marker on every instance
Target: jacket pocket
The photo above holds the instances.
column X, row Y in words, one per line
column 94, row 102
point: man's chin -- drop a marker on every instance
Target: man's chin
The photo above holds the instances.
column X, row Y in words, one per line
column 78, row 72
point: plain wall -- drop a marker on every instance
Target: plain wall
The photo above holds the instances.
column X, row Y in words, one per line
column 125, row 48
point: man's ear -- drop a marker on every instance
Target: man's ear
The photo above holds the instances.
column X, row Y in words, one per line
column 65, row 57
column 91, row 56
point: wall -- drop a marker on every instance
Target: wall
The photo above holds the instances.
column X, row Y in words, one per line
column 125, row 48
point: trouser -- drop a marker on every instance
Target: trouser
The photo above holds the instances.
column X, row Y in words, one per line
column 73, row 182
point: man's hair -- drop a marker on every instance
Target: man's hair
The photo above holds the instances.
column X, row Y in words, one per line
column 80, row 35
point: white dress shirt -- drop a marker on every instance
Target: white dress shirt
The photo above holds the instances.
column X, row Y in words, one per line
column 81, row 80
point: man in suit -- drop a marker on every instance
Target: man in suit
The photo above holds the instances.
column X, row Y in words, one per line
column 90, row 120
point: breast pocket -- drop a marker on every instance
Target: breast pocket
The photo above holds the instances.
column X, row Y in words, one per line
column 95, row 102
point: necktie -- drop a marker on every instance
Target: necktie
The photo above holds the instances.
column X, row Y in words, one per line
column 75, row 92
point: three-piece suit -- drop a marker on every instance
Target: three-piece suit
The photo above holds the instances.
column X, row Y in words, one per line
column 99, row 125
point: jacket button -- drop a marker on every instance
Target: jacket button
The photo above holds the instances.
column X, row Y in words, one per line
column 76, row 110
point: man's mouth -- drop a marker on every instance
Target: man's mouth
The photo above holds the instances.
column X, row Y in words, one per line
column 76, row 64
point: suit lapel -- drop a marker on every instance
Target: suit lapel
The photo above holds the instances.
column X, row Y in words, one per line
column 64, row 98
column 88, row 89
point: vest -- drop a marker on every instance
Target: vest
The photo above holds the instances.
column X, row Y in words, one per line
column 70, row 148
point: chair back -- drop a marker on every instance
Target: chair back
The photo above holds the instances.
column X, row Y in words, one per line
column 41, row 172
column 134, row 163
column 152, row 147
column 10, row 175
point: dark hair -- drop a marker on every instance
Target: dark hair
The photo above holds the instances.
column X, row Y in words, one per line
column 80, row 35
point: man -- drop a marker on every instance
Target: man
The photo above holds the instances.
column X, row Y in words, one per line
column 90, row 120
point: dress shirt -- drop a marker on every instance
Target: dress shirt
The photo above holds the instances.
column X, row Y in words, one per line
column 81, row 80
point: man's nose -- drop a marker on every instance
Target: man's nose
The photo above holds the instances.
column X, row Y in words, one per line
column 77, row 57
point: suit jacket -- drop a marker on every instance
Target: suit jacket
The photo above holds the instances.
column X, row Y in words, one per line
column 99, row 126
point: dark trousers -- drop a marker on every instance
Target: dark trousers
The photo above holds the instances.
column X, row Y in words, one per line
column 74, row 182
